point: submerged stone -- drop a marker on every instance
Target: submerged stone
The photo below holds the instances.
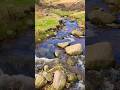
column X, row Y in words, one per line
column 46, row 50
column 58, row 53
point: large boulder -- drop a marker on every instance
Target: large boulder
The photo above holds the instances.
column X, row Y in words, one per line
column 75, row 49
column 40, row 81
column 59, row 80
column 99, row 56
column 101, row 17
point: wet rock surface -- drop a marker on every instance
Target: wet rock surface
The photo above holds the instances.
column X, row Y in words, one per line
column 75, row 49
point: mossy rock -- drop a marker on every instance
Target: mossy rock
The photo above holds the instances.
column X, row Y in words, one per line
column 71, row 77
column 40, row 81
column 71, row 62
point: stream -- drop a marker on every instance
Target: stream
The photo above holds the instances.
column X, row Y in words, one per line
column 46, row 50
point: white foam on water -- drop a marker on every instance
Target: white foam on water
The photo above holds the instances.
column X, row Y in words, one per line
column 43, row 59
column 81, row 85
column 71, row 39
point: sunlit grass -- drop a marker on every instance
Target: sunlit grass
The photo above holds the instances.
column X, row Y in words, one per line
column 45, row 23
column 42, row 24
column 80, row 16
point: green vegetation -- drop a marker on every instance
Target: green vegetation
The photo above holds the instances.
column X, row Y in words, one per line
column 80, row 16
column 46, row 22
column 13, row 19
column 42, row 24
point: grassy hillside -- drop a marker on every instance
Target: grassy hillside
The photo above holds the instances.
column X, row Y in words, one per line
column 62, row 1
column 43, row 23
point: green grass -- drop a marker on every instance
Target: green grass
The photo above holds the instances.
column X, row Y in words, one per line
column 45, row 23
column 80, row 16
column 42, row 24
